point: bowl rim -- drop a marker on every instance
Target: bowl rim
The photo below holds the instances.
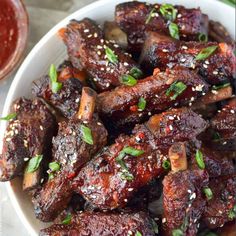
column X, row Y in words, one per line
column 22, row 39
column 36, row 48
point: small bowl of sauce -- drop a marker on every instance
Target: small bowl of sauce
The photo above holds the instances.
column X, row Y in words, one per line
column 13, row 35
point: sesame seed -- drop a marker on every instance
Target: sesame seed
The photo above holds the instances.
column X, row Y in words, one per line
column 107, row 85
column 77, row 100
column 95, row 35
column 99, row 123
column 193, row 196
column 126, row 64
column 41, row 181
column 170, row 127
column 182, row 59
column 90, row 36
column 215, row 72
column 184, row 47
column 116, row 45
column 99, row 53
column 205, row 66
column 102, row 40
column 149, row 113
column 125, row 200
column 86, row 30
column 164, row 220
column 26, row 159
column 99, row 47
column 130, row 189
column 171, row 118
column 41, row 127
column 232, row 111
column 102, row 68
column 149, row 157
column 189, row 191
column 179, row 16
column 165, row 50
column 207, row 62
column 214, row 91
column 130, row 232
column 183, row 27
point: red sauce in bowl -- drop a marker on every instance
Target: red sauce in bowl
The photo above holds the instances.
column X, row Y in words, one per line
column 13, row 34
column 8, row 31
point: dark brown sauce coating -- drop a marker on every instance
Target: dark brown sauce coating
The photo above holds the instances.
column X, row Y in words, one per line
column 28, row 135
column 131, row 17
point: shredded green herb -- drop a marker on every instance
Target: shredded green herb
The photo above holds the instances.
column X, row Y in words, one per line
column 111, row 56
column 205, row 53
column 54, row 166
column 217, row 87
column 142, row 104
column 55, row 85
column 10, row 116
column 168, row 11
column 232, row 213
column 199, row 159
column 166, row 164
column 208, row 193
column 136, row 73
column 87, row 134
column 202, row 37
column 67, row 220
column 34, row 163
column 128, row 80
column 150, row 16
column 174, row 30
column 175, row 89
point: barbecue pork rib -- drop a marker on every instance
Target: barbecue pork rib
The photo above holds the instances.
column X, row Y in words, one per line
column 27, row 135
column 103, row 224
column 120, row 106
column 218, row 68
column 66, row 100
column 136, row 18
column 103, row 60
column 222, row 207
column 71, row 152
column 184, row 202
column 114, row 175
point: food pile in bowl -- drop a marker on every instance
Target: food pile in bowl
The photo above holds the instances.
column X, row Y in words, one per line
column 135, row 133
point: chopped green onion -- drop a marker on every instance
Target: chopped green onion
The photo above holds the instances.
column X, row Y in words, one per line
column 132, row 151
column 232, row 213
column 34, row 163
column 111, row 56
column 176, row 89
column 67, row 220
column 199, row 159
column 166, row 164
column 154, row 226
column 142, row 104
column 136, row 73
column 50, row 176
column 138, row 233
column 150, row 16
column 128, row 80
column 208, row 193
column 127, row 176
column 9, row 117
column 216, row 136
column 55, row 85
column 202, row 37
column 87, row 134
column 205, row 53
column 217, row 87
column 177, row 232
column 54, row 166
column 168, row 11
column 174, row 30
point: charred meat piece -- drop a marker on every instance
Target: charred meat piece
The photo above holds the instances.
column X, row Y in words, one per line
column 114, row 175
column 103, row 60
column 159, row 92
column 135, row 18
column 218, row 33
column 102, row 224
column 77, row 141
column 222, row 207
column 67, row 99
column 183, row 201
column 28, row 134
column 225, row 121
column 219, row 67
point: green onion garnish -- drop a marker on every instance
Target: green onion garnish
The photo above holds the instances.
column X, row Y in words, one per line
column 232, row 213
column 202, row 37
column 175, row 90
column 177, row 232
column 54, row 166
column 136, row 73
column 205, row 53
column 174, row 30
column 168, row 11
column 166, row 164
column 217, row 87
column 216, row 136
column 132, row 151
column 9, row 117
column 138, row 233
column 150, row 16
column 154, row 226
column 67, row 220
column 55, row 85
column 199, row 159
column 111, row 56
column 128, row 80
column 87, row 134
column 34, row 163
column 142, row 104
column 208, row 193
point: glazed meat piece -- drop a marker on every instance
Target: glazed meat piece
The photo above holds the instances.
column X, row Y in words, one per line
column 135, row 18
column 159, row 92
column 111, row 179
column 222, row 207
column 28, row 134
column 67, row 99
column 103, row 224
column 218, row 33
column 77, row 141
column 103, row 60
column 183, row 201
column 219, row 67
column 216, row 164
column 225, row 121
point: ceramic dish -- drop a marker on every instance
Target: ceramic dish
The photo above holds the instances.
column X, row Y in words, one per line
column 52, row 50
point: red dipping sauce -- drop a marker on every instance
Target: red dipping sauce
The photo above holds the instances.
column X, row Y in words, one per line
column 8, row 31
column 13, row 34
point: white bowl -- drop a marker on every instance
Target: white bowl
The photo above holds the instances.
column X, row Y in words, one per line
column 50, row 49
